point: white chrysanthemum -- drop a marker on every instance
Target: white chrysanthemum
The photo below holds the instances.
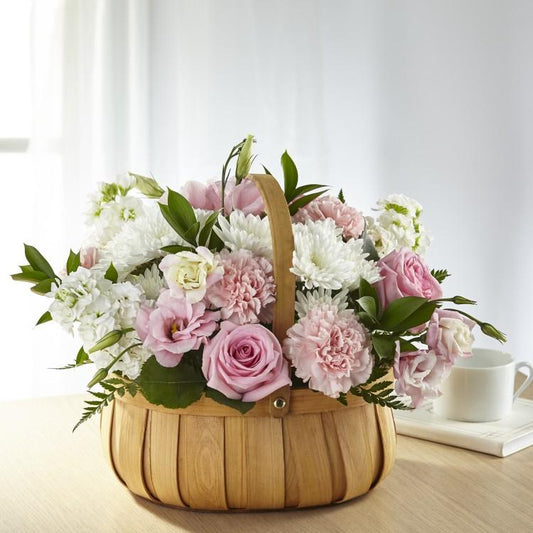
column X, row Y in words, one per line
column 307, row 300
column 151, row 282
column 140, row 241
column 398, row 225
column 245, row 232
column 322, row 259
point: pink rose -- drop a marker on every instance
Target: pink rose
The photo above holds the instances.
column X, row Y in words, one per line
column 244, row 197
column 174, row 327
column 89, row 257
column 346, row 217
column 245, row 362
column 450, row 334
column 419, row 375
column 330, row 349
column 246, row 292
column 404, row 273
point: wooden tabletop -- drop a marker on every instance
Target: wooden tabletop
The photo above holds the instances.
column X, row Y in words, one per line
column 56, row 481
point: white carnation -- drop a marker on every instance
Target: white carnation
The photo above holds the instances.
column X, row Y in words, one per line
column 398, row 225
column 322, row 259
column 245, row 232
column 307, row 300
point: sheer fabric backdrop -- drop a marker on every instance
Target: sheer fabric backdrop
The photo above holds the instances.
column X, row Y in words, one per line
column 427, row 98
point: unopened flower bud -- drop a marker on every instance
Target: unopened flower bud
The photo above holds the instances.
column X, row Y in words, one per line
column 244, row 161
column 147, row 186
column 107, row 340
column 99, row 376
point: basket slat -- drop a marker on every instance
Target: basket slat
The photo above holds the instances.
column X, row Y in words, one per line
column 355, row 449
column 128, row 446
column 387, row 430
column 338, row 475
column 163, row 434
column 307, row 466
column 265, row 464
column 201, row 473
column 236, row 467
column 147, row 451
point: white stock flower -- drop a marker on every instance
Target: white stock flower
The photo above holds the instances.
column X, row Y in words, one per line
column 245, row 232
column 307, row 300
column 322, row 259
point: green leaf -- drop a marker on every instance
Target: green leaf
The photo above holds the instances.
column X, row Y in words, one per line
column 308, row 188
column 267, row 172
column 385, row 398
column 177, row 248
column 342, row 398
column 207, row 229
column 37, row 261
column 242, row 407
column 341, row 197
column 419, row 317
column 181, row 209
column 73, row 262
column 440, row 275
column 303, row 201
column 290, row 175
column 400, row 309
column 32, row 276
column 43, row 287
column 406, row 346
column 368, row 321
column 111, row 273
column 191, row 233
column 380, row 385
column 45, row 317
column 368, row 304
column 365, row 289
column 175, row 387
column 82, row 357
column 384, row 346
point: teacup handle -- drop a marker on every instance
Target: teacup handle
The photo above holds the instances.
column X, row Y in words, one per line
column 528, row 380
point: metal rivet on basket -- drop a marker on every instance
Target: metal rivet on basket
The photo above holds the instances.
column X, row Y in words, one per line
column 280, row 403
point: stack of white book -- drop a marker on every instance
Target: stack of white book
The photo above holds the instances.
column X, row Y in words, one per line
column 501, row 438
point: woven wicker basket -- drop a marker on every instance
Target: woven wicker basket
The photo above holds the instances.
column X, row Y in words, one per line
column 295, row 448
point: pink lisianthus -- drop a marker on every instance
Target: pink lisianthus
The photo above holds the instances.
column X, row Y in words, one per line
column 419, row 374
column 450, row 334
column 346, row 217
column 244, row 362
column 89, row 257
column 174, row 327
column 404, row 273
column 246, row 292
column 190, row 274
column 330, row 349
column 245, row 197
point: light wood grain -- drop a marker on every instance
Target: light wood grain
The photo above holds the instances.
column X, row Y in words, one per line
column 58, row 482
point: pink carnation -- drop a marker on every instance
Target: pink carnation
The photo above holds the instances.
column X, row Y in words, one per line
column 174, row 327
column 404, row 273
column 244, row 197
column 247, row 291
column 348, row 218
column 419, row 374
column 245, row 362
column 330, row 349
column 450, row 334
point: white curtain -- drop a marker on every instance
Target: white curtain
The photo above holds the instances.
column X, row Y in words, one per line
column 430, row 98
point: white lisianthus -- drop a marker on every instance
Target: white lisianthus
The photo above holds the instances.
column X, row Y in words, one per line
column 398, row 225
column 305, row 301
column 189, row 274
column 245, row 232
column 322, row 259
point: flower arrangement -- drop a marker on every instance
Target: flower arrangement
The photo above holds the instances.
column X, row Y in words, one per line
column 172, row 293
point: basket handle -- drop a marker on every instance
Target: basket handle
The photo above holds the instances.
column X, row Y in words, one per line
column 280, row 223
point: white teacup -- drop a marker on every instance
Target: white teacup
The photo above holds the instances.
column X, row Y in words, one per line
column 480, row 388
